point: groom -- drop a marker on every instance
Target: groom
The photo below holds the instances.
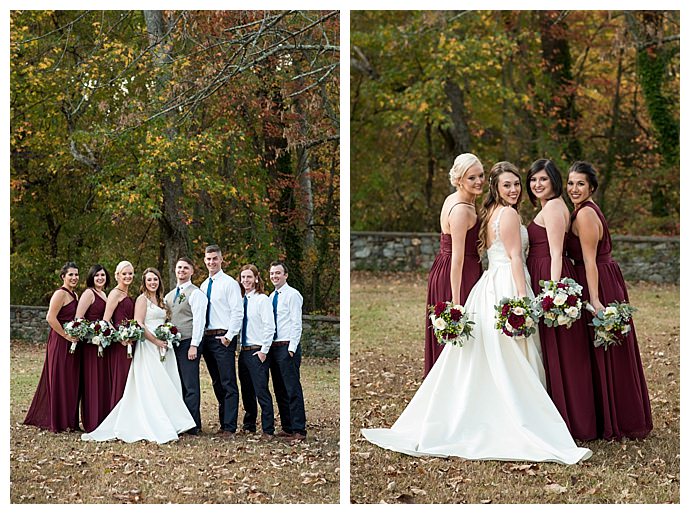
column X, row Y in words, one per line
column 187, row 305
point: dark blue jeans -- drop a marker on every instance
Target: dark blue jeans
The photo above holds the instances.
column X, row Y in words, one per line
column 287, row 388
column 220, row 361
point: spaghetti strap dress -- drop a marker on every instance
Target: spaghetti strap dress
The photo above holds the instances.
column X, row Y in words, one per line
column 565, row 351
column 95, row 401
column 439, row 289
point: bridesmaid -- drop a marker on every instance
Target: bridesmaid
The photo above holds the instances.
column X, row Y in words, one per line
column 55, row 405
column 620, row 390
column 565, row 351
column 95, row 379
column 118, row 308
column 457, row 266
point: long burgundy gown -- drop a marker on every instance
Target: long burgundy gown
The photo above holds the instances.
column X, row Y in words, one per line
column 55, row 405
column 620, row 389
column 565, row 351
column 116, row 356
column 95, row 401
column 439, row 289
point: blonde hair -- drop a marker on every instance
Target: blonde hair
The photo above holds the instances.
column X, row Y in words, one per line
column 462, row 163
column 122, row 265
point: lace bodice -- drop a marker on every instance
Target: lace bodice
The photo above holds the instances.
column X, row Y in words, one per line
column 155, row 316
column 497, row 252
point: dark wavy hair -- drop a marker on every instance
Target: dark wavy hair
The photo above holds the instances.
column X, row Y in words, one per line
column 92, row 273
column 67, row 266
column 493, row 199
column 553, row 173
column 586, row 169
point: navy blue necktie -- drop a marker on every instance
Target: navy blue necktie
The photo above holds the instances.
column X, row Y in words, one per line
column 275, row 313
column 208, row 305
column 244, row 323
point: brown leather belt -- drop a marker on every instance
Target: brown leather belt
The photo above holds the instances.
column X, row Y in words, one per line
column 280, row 343
column 250, row 348
column 215, row 332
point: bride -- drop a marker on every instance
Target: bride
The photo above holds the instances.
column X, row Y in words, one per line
column 151, row 407
column 487, row 399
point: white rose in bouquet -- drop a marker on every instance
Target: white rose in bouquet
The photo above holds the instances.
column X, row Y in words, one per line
column 560, row 299
column 440, row 324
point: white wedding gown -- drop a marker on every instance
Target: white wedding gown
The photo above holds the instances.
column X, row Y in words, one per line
column 487, row 399
column 151, row 407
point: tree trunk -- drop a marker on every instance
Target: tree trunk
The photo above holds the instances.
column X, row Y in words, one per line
column 459, row 140
column 611, row 137
column 173, row 229
column 557, row 66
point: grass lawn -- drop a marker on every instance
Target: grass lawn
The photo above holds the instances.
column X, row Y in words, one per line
column 387, row 357
column 60, row 468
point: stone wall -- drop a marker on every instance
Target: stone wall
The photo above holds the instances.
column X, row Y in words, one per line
column 656, row 259
column 320, row 334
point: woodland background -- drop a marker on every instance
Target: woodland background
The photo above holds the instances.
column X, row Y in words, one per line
column 601, row 86
column 146, row 135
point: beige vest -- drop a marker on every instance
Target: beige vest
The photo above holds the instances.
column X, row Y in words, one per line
column 181, row 310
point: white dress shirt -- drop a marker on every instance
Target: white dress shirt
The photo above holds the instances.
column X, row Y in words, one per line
column 260, row 324
column 227, row 309
column 197, row 301
column 289, row 315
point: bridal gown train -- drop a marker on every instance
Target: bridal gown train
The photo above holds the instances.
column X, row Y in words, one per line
column 487, row 399
column 151, row 407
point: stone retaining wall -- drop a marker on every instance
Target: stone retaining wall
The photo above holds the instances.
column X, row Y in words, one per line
column 320, row 334
column 656, row 259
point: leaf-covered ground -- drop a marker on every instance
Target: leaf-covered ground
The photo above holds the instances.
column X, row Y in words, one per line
column 60, row 468
column 387, row 356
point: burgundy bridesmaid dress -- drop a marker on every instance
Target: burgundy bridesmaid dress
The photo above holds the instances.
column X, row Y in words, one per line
column 620, row 390
column 439, row 290
column 55, row 405
column 117, row 361
column 565, row 351
column 95, row 401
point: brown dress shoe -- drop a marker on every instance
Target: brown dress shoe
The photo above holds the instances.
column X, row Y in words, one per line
column 283, row 434
column 226, row 434
column 266, row 437
column 297, row 437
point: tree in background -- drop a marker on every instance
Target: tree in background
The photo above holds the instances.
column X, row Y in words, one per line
column 601, row 86
column 147, row 135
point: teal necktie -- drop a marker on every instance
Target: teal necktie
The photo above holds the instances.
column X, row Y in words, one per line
column 177, row 293
column 208, row 305
column 275, row 314
column 244, row 323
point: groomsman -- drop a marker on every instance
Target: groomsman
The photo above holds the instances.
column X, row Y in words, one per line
column 223, row 322
column 286, row 354
column 187, row 305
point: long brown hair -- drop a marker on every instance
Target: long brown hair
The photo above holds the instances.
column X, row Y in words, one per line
column 493, row 200
column 160, row 293
column 259, row 287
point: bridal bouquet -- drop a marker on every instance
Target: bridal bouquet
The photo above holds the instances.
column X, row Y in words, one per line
column 78, row 328
column 451, row 323
column 611, row 323
column 170, row 334
column 559, row 302
column 127, row 331
column 101, row 334
column 516, row 317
